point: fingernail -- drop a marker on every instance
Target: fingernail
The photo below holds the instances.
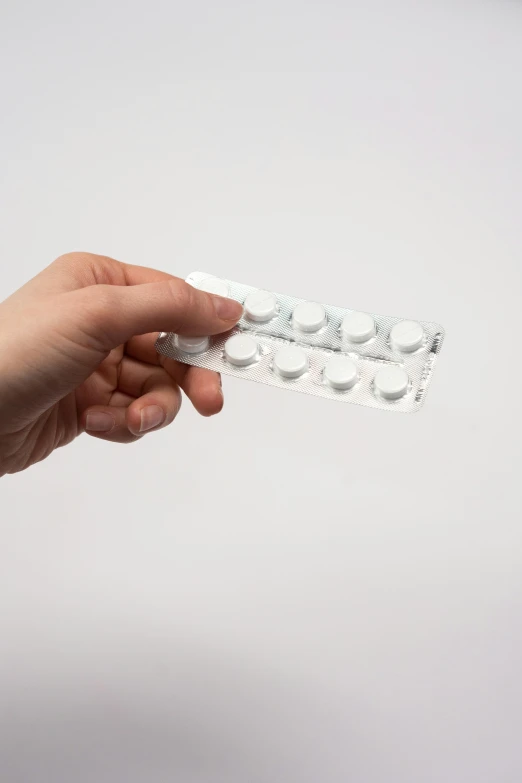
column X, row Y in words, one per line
column 227, row 309
column 99, row 422
column 151, row 416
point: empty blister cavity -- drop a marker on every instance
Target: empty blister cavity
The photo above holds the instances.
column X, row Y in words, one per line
column 290, row 361
column 391, row 382
column 340, row 373
column 260, row 306
column 407, row 336
column 212, row 285
column 309, row 317
column 358, row 327
column 192, row 344
column 241, row 350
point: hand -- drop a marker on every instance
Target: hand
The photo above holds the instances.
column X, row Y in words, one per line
column 77, row 353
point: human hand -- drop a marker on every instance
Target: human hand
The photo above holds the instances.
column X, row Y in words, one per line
column 77, row 354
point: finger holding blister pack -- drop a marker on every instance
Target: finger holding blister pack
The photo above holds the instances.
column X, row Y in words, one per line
column 314, row 348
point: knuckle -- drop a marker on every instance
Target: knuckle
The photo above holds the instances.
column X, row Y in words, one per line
column 79, row 264
column 100, row 308
column 99, row 299
column 75, row 258
column 183, row 296
column 65, row 259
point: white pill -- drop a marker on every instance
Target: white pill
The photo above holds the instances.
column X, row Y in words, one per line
column 193, row 344
column 212, row 285
column 407, row 336
column 290, row 361
column 260, row 306
column 309, row 317
column 391, row 382
column 241, row 350
column 340, row 372
column 358, row 327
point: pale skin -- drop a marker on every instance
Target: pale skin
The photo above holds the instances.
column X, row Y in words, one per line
column 77, row 355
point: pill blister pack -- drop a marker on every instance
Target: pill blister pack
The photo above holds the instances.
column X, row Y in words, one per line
column 314, row 348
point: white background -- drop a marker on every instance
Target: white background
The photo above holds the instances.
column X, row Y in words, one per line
column 295, row 591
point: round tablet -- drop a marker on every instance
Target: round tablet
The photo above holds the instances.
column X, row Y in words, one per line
column 290, row 361
column 407, row 336
column 358, row 327
column 391, row 382
column 241, row 350
column 309, row 317
column 213, row 285
column 193, row 344
column 260, row 306
column 340, row 372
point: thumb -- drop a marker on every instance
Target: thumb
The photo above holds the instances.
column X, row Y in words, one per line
column 113, row 314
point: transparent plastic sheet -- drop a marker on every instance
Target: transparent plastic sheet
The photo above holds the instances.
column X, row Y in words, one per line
column 371, row 367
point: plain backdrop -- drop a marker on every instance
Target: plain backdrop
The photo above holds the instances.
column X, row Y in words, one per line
column 294, row 591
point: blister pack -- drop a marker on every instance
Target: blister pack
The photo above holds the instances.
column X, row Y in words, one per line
column 318, row 349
